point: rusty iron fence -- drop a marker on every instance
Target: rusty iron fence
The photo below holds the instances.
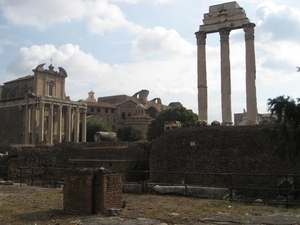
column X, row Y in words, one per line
column 241, row 187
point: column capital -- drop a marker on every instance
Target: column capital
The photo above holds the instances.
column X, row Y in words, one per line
column 201, row 37
column 224, row 34
column 249, row 31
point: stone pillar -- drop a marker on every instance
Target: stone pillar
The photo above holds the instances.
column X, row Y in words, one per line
column 76, row 125
column 33, row 124
column 225, row 77
column 50, row 125
column 83, row 128
column 59, row 122
column 41, row 122
column 250, row 74
column 69, row 124
column 26, row 128
column 202, row 79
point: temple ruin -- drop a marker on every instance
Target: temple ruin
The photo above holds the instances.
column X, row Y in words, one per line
column 223, row 18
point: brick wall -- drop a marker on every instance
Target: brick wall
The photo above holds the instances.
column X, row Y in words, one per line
column 92, row 193
column 108, row 192
column 77, row 193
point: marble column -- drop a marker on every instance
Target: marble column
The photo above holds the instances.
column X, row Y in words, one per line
column 69, row 124
column 202, row 77
column 225, row 77
column 59, row 122
column 50, row 125
column 27, row 126
column 250, row 74
column 76, row 125
column 33, row 124
column 41, row 121
column 83, row 129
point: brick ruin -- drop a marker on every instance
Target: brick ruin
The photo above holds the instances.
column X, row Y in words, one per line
column 215, row 149
column 92, row 191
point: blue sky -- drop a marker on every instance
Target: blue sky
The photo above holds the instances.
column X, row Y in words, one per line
column 122, row 46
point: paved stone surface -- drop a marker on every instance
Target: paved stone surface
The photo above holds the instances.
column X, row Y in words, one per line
column 218, row 219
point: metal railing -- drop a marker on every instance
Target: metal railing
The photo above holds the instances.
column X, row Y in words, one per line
column 254, row 186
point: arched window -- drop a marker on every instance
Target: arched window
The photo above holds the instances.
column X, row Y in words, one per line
column 129, row 114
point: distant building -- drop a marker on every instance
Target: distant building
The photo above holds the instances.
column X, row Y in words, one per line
column 123, row 110
column 240, row 119
column 34, row 109
column 170, row 125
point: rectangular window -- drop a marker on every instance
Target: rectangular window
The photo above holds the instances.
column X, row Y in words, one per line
column 107, row 119
column 106, row 110
column 92, row 109
column 98, row 109
column 50, row 90
column 112, row 110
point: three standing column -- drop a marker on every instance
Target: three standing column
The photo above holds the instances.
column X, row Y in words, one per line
column 202, row 80
column 250, row 74
column 225, row 77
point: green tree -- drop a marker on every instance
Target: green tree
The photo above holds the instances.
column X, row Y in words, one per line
column 286, row 136
column 93, row 126
column 186, row 117
column 131, row 134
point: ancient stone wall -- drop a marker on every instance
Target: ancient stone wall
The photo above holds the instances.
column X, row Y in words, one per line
column 208, row 150
column 117, row 156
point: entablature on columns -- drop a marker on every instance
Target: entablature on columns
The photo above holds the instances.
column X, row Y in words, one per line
column 45, row 100
column 227, row 15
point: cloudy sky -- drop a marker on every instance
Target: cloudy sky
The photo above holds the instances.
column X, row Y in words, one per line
column 122, row 46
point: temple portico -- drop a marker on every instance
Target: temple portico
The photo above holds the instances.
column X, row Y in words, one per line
column 37, row 110
column 53, row 122
column 223, row 18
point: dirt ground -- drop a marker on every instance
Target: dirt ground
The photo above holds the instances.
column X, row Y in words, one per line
column 38, row 206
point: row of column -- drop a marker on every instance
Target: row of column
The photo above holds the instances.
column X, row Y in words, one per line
column 225, row 75
column 60, row 119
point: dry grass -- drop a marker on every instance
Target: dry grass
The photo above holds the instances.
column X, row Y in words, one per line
column 34, row 205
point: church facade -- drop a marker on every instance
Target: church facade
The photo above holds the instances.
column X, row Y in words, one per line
column 35, row 109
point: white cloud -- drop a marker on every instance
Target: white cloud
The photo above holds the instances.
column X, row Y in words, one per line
column 77, row 63
column 170, row 77
column 279, row 22
column 101, row 15
column 42, row 13
column 127, row 1
column 160, row 42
